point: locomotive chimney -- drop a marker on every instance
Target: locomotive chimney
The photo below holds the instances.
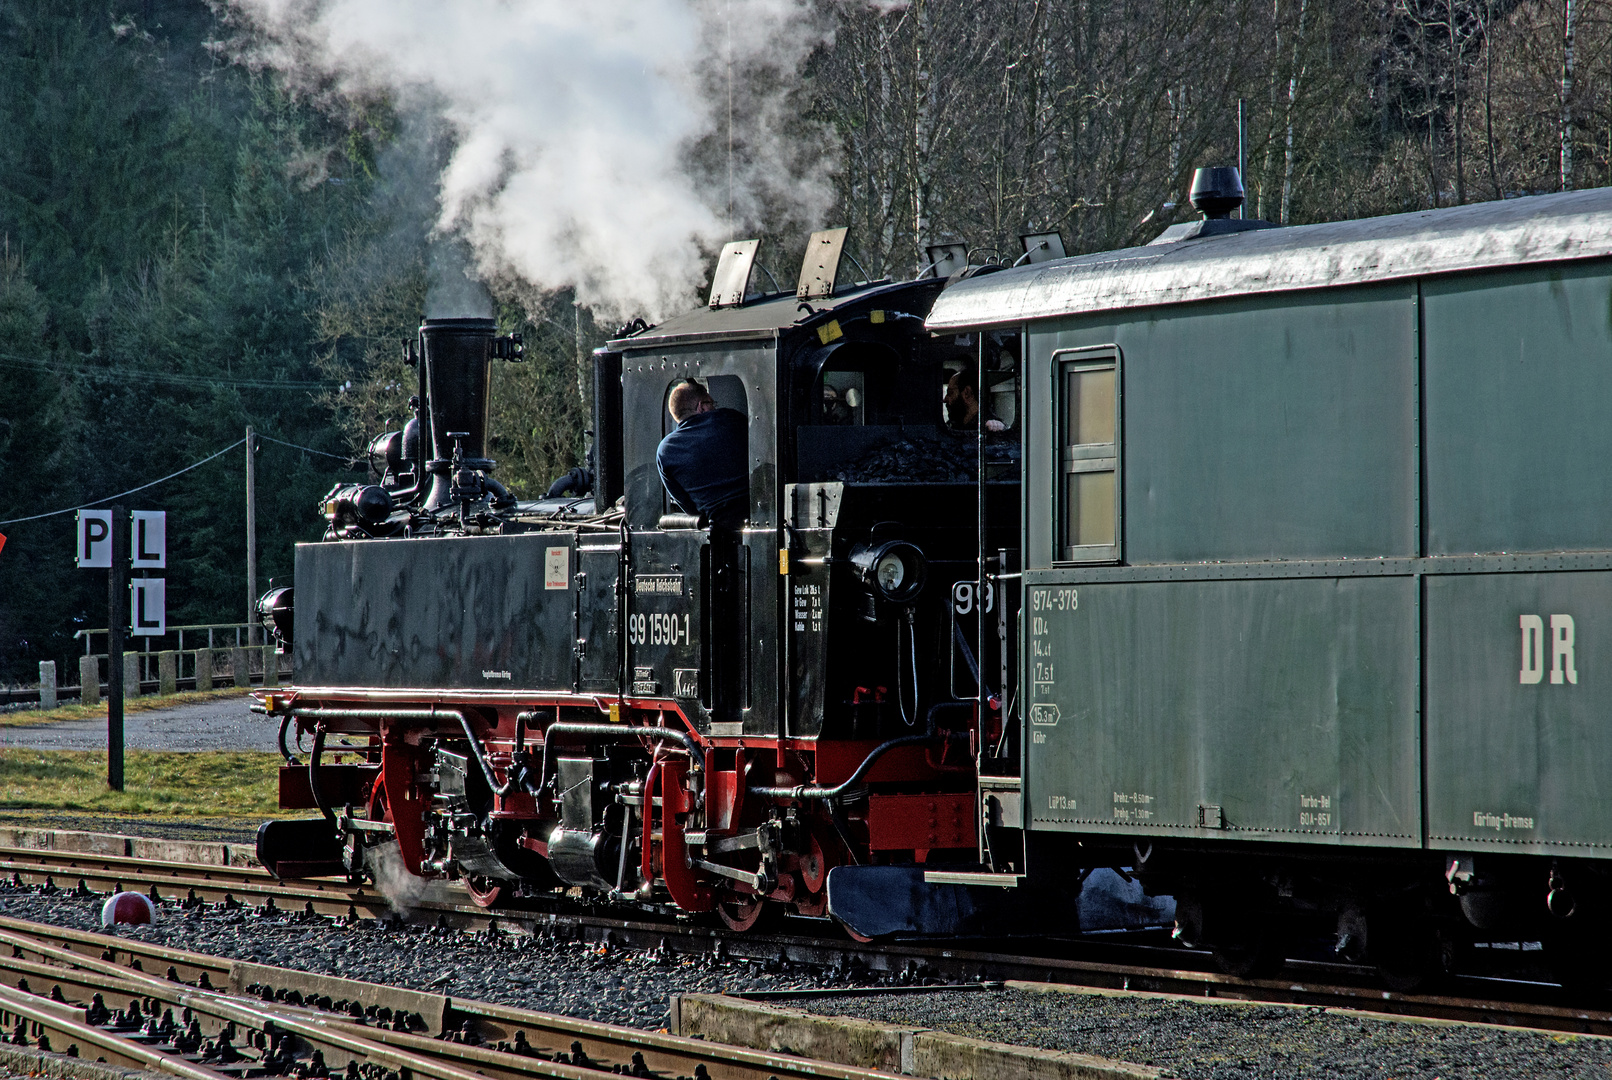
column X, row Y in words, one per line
column 457, row 353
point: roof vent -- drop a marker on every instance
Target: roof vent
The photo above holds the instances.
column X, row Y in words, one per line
column 1216, row 192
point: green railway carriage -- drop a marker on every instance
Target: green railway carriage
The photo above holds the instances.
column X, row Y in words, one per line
column 1317, row 571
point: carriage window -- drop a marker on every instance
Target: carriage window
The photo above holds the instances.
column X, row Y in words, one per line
column 1089, row 494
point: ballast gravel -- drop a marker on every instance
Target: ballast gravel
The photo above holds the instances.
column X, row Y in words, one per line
column 1197, row 1040
column 616, row 986
column 1187, row 1039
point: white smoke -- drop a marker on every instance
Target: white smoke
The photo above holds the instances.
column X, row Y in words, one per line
column 404, row 891
column 579, row 129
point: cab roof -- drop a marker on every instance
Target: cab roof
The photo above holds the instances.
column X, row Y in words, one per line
column 762, row 318
column 1536, row 229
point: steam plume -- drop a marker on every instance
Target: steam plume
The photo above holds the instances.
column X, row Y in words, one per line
column 581, row 131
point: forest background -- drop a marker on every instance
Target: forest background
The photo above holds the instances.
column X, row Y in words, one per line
column 188, row 248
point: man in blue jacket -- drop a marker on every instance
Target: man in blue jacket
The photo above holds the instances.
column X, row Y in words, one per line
column 704, row 461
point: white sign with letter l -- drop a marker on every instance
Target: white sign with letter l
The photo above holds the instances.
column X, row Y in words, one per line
column 150, row 535
column 148, row 608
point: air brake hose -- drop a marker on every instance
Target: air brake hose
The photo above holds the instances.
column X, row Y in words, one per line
column 313, row 773
column 285, row 751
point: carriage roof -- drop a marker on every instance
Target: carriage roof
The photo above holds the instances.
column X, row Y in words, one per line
column 1537, row 229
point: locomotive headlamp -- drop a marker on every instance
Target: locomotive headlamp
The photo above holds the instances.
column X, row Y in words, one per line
column 894, row 569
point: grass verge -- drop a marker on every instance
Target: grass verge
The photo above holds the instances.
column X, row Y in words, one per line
column 207, row 784
column 21, row 717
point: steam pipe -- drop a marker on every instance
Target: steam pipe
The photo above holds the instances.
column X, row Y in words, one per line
column 501, row 790
column 614, row 731
column 833, row 794
column 426, row 715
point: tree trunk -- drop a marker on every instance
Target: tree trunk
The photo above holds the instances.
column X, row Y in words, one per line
column 1292, row 100
column 1570, row 25
column 1488, row 95
column 1455, row 92
column 923, row 108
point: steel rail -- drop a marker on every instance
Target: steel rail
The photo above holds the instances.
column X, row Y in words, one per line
column 203, row 881
column 543, row 1037
column 1155, row 970
column 51, row 1025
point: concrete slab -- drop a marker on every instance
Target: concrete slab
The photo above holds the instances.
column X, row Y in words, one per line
column 869, row 1044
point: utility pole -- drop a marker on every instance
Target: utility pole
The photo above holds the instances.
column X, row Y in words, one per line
column 251, row 540
column 117, row 602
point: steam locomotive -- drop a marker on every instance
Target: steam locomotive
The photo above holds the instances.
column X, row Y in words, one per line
column 594, row 691
column 1225, row 584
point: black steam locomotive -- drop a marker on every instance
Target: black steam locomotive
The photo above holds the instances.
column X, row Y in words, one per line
column 602, row 691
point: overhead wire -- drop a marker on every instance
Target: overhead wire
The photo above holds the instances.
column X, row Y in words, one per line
column 176, row 378
column 193, row 465
column 131, row 491
column 349, row 459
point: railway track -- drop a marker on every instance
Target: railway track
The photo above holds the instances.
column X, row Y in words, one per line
column 204, row 1017
column 1152, row 969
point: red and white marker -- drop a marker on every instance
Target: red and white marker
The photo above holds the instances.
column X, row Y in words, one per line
column 129, row 908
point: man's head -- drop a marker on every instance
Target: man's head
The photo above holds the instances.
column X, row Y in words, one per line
column 687, row 398
column 962, row 400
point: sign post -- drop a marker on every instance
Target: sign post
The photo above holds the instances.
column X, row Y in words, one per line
column 117, row 552
column 104, row 542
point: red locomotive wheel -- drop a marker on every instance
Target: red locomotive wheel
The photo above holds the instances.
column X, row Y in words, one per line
column 740, row 911
column 852, row 934
column 812, row 868
column 812, row 904
column 485, row 892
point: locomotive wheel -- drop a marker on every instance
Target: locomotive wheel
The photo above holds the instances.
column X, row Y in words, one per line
column 485, row 892
column 1243, row 945
column 740, row 910
column 852, row 934
column 1406, row 951
column 1578, row 962
column 812, row 867
column 812, row 904
column 1249, row 958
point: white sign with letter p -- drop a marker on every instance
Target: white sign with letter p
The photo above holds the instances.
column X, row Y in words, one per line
column 94, row 539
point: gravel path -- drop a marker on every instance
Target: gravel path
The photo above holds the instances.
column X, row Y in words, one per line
column 1202, row 1041
column 225, row 724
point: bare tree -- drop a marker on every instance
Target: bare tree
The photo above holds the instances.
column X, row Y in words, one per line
column 1569, row 28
